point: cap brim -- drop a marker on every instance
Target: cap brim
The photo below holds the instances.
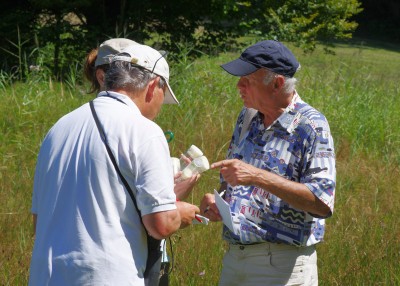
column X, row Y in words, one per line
column 239, row 67
column 170, row 97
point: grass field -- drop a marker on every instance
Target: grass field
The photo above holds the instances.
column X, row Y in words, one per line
column 358, row 91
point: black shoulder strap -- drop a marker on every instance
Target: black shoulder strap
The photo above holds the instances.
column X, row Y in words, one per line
column 104, row 138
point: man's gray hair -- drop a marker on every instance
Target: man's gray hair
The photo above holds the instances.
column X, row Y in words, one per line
column 290, row 82
column 124, row 75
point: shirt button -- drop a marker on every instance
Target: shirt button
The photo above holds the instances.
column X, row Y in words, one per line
column 241, row 247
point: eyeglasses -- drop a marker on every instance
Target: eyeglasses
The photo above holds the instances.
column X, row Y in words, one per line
column 163, row 55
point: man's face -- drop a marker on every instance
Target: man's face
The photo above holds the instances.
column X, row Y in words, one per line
column 253, row 90
column 158, row 99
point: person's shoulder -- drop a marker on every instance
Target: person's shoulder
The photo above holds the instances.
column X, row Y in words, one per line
column 148, row 128
column 73, row 115
column 308, row 111
column 149, row 125
column 311, row 118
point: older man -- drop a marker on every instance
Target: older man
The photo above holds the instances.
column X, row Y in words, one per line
column 88, row 230
column 279, row 175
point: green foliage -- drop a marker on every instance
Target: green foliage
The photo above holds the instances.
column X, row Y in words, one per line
column 15, row 26
column 61, row 35
column 18, row 53
column 300, row 21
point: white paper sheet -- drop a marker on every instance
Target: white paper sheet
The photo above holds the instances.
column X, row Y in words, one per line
column 224, row 211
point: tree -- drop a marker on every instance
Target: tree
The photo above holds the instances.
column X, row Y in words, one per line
column 207, row 26
column 303, row 22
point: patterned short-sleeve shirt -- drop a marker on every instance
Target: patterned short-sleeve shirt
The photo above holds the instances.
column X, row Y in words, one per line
column 297, row 146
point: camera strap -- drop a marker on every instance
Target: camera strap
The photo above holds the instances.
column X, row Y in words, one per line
column 111, row 155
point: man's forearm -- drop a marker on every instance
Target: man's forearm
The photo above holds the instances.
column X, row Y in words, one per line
column 295, row 194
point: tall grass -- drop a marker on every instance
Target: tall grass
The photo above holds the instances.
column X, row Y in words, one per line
column 357, row 91
column 27, row 112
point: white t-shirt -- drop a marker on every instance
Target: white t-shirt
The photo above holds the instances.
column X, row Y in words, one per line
column 88, row 230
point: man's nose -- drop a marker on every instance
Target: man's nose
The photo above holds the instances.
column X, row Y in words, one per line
column 241, row 83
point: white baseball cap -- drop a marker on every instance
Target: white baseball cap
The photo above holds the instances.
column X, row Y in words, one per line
column 109, row 48
column 153, row 61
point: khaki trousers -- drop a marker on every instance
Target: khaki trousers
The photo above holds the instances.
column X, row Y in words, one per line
column 269, row 264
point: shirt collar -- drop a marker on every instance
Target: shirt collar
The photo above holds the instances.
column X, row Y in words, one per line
column 289, row 119
column 119, row 96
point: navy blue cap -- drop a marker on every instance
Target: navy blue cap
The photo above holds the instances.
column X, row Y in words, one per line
column 270, row 54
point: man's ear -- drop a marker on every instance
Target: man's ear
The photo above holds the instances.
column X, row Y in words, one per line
column 150, row 89
column 279, row 82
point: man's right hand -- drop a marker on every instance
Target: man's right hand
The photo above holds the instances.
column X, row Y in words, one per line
column 187, row 212
column 163, row 224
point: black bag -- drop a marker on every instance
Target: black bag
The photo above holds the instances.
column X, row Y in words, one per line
column 153, row 265
column 164, row 274
column 154, row 254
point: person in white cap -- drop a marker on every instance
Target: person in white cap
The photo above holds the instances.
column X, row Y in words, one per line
column 98, row 60
column 88, row 231
column 96, row 64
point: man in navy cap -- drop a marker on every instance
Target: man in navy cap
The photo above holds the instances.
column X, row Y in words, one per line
column 278, row 177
